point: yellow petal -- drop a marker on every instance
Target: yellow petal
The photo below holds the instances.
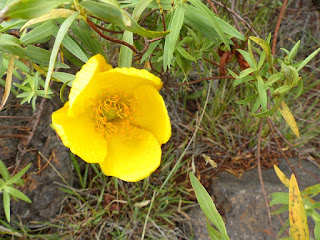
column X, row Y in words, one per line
column 150, row 113
column 85, row 81
column 80, row 135
column 127, row 79
column 133, row 157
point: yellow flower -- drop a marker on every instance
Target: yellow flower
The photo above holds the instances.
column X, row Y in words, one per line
column 115, row 117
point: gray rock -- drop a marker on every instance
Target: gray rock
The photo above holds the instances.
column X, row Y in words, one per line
column 242, row 203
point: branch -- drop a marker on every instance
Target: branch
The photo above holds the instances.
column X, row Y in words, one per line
column 92, row 25
column 200, row 80
column 275, row 35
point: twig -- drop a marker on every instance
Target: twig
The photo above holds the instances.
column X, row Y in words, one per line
column 280, row 148
column 110, row 38
column 213, row 7
column 13, row 136
column 107, row 30
column 275, row 35
column 260, row 174
column 200, row 80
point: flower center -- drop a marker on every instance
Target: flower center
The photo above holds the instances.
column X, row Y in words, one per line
column 112, row 113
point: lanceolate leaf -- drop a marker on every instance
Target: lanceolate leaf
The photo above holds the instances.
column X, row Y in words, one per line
column 171, row 40
column 28, row 9
column 54, row 13
column 43, row 31
column 62, row 32
column 287, row 115
column 8, row 82
column 207, row 206
column 113, row 14
column 297, row 215
column 281, row 176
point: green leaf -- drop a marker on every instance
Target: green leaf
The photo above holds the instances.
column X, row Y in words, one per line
column 88, row 38
column 62, row 32
column 299, row 89
column 6, row 205
column 247, row 100
column 43, row 31
column 207, row 206
column 28, row 9
column 175, row 26
column 125, row 55
column 185, row 54
column 16, row 193
column 197, row 21
column 317, row 230
column 17, row 177
column 4, row 172
column 315, row 189
column 253, row 60
column 239, row 80
column 262, row 93
column 212, row 20
column 214, row 234
column 64, row 77
column 275, row 78
column 293, row 52
column 246, row 72
column 114, row 14
column 279, row 198
column 11, row 44
column 282, row 90
column 41, row 56
column 269, row 111
column 308, row 59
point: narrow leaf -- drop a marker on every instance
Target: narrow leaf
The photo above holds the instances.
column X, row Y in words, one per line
column 297, row 216
column 281, row 176
column 8, row 82
column 62, row 32
column 6, row 205
column 16, row 193
column 4, row 172
column 28, row 9
column 125, row 55
column 41, row 32
column 171, row 39
column 114, row 14
column 262, row 94
column 207, row 206
column 54, row 13
column 288, row 117
column 308, row 59
column 17, row 177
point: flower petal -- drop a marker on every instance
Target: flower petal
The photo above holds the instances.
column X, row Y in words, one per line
column 127, row 79
column 133, row 158
column 150, row 113
column 84, row 81
column 80, row 135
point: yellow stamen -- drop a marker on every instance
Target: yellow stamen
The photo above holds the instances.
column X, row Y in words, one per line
column 112, row 113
